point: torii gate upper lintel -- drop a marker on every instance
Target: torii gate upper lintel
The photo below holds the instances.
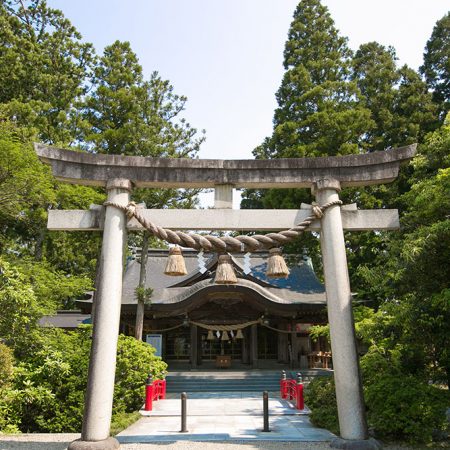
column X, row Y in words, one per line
column 325, row 176
column 350, row 170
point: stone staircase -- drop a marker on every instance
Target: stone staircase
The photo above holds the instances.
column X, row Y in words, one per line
column 229, row 381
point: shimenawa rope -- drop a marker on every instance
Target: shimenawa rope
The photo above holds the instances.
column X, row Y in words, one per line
column 235, row 327
column 241, row 243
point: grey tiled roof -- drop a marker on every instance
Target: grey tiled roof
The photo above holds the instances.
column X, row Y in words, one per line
column 302, row 285
column 65, row 319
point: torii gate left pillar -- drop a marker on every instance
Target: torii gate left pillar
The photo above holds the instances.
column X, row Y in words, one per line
column 102, row 364
column 324, row 175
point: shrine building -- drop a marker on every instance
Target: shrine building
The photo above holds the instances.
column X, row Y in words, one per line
column 259, row 322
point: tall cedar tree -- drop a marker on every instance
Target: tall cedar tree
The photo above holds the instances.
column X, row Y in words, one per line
column 130, row 116
column 436, row 64
column 375, row 72
column 44, row 68
column 319, row 110
column 400, row 104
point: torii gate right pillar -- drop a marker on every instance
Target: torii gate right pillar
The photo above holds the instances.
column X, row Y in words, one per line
column 349, row 395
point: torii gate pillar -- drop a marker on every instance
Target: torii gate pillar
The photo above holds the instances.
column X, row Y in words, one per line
column 102, row 363
column 349, row 396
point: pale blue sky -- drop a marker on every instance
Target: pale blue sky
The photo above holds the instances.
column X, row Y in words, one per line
column 226, row 55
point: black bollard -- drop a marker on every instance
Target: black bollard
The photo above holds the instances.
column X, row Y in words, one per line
column 266, row 411
column 183, row 412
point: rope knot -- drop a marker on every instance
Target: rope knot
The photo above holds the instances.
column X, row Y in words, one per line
column 317, row 211
column 130, row 210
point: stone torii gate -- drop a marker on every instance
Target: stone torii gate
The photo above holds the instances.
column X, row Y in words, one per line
column 325, row 176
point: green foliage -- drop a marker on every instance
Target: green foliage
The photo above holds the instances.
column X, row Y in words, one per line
column 121, row 421
column 26, row 186
column 47, row 392
column 18, row 303
column 320, row 397
column 375, row 72
column 44, row 67
column 406, row 408
column 30, row 289
column 143, row 294
column 135, row 360
column 130, row 116
column 399, row 406
column 363, row 317
column 319, row 112
column 6, row 364
column 436, row 63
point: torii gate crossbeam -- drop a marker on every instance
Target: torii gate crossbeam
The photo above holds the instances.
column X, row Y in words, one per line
column 325, row 176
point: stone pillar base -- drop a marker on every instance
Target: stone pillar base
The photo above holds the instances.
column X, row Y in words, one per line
column 357, row 444
column 106, row 444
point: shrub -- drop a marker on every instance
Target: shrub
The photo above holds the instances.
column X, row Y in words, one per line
column 47, row 392
column 320, row 397
column 405, row 408
column 399, row 406
column 135, row 360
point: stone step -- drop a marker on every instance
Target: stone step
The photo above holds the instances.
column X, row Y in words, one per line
column 232, row 381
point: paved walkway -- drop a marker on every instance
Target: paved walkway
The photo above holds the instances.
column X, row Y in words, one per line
column 224, row 417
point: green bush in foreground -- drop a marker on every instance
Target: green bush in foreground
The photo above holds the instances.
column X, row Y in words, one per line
column 399, row 407
column 320, row 397
column 48, row 386
column 405, row 408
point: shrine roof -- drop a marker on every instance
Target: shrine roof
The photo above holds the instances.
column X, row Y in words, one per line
column 301, row 286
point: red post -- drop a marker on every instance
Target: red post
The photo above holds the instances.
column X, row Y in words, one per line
column 149, row 394
column 300, row 404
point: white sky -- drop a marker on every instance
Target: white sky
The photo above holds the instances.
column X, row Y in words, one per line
column 226, row 55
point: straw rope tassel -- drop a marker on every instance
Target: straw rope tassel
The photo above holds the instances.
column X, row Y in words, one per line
column 276, row 265
column 175, row 266
column 225, row 273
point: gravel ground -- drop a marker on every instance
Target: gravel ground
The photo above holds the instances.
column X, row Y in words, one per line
column 60, row 442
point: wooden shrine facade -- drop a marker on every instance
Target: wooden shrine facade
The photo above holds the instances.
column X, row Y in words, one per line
column 284, row 308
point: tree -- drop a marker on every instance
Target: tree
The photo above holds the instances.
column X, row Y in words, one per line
column 375, row 72
column 48, row 384
column 26, row 186
column 414, row 111
column 399, row 101
column 319, row 109
column 436, row 64
column 131, row 116
column 44, row 67
column 319, row 112
column 408, row 275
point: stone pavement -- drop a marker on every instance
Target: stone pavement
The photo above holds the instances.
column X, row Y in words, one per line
column 224, row 417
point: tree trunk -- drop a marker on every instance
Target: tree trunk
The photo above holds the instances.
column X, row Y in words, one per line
column 140, row 309
column 39, row 244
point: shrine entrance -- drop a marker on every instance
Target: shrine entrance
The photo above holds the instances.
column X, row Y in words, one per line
column 325, row 176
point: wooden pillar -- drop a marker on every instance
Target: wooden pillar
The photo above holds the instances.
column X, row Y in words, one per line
column 194, row 346
column 282, row 347
column 295, row 348
column 254, row 345
column 245, row 347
